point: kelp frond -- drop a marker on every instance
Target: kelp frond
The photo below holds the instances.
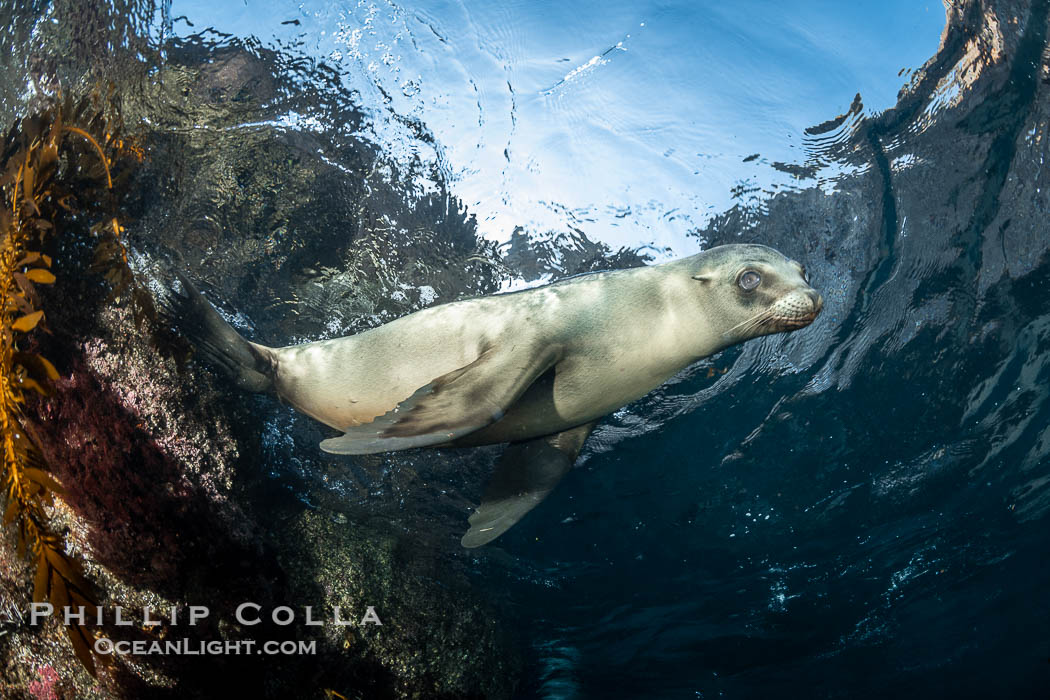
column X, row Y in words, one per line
column 36, row 192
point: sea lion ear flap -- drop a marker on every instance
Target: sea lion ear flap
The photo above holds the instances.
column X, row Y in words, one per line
column 703, row 277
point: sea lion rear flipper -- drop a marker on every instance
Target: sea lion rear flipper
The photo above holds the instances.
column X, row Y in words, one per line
column 525, row 474
column 251, row 366
column 451, row 406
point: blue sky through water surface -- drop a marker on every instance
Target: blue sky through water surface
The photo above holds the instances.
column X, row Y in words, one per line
column 630, row 120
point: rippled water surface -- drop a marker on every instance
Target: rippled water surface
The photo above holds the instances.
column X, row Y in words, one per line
column 858, row 509
column 629, row 120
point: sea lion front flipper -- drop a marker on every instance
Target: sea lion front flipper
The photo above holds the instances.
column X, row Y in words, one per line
column 525, row 474
column 452, row 405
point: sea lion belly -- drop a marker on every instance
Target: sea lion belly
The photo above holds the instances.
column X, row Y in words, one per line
column 349, row 381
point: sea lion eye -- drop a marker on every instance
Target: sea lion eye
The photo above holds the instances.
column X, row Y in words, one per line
column 749, row 280
column 805, row 274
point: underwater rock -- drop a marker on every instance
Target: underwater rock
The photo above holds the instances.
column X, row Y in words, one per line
column 432, row 634
column 177, row 493
column 161, row 462
column 884, row 231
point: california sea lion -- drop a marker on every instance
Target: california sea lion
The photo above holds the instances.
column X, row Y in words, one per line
column 535, row 368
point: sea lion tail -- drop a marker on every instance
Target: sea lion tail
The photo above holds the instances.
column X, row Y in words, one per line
column 251, row 366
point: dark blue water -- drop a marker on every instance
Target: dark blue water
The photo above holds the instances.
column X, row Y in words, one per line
column 854, row 516
column 855, row 510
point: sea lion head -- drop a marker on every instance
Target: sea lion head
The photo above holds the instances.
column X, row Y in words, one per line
column 756, row 291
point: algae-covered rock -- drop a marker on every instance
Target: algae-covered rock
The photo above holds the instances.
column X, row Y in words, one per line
column 435, row 626
column 180, row 490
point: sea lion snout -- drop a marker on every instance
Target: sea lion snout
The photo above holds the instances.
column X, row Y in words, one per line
column 796, row 309
column 818, row 301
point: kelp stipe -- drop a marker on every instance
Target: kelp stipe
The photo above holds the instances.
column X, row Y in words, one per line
column 38, row 166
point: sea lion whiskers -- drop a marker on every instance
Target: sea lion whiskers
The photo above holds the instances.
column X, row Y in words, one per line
column 752, row 323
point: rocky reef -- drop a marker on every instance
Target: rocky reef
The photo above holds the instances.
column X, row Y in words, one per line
column 179, row 490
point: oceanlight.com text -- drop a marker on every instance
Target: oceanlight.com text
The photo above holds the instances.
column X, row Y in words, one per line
column 190, row 647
